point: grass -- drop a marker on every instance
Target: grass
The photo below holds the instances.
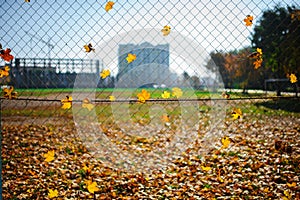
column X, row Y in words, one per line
column 128, row 92
column 137, row 111
column 288, row 105
column 104, row 112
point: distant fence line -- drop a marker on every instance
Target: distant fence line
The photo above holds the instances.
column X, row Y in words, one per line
column 54, row 72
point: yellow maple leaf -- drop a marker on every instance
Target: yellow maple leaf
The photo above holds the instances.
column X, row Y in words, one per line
column 165, row 95
column 67, row 102
column 165, row 118
column 143, row 96
column 257, row 54
column 219, row 176
column 4, row 71
column 49, row 156
column 248, row 20
column 287, row 195
column 166, row 30
column 205, row 168
column 86, row 169
column 8, row 92
column 105, row 73
column 112, row 98
column 52, row 193
column 91, row 186
column 87, row 104
column 220, row 179
column 225, row 95
column 257, row 63
column 131, row 57
column 89, row 48
column 259, row 50
column 293, row 184
column 109, row 5
column 176, row 92
column 266, row 190
column 293, row 78
column 236, row 113
column 225, row 142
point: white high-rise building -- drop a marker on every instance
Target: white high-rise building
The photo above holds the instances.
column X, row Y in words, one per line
column 150, row 67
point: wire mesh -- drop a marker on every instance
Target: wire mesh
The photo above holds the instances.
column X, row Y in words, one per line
column 140, row 82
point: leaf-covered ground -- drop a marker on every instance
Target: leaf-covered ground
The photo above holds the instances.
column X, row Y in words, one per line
column 252, row 167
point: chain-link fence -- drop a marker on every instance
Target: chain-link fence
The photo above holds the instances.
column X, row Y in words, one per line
column 150, row 99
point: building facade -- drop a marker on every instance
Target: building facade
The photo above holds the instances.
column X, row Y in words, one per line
column 151, row 64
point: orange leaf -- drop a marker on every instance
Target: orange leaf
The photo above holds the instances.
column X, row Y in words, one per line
column 225, row 142
column 4, row 71
column 248, row 20
column 49, row 156
column 257, row 63
column 293, row 78
column 131, row 57
column 165, row 95
column 165, row 118
column 293, row 184
column 112, row 98
column 91, row 186
column 87, row 104
column 67, row 102
column 166, row 30
column 9, row 93
column 109, row 5
column 237, row 113
column 105, row 73
column 143, row 96
column 52, row 193
column 5, row 55
column 88, row 48
column 177, row 92
column 205, row 168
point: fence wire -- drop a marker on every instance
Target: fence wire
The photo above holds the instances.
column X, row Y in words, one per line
column 193, row 70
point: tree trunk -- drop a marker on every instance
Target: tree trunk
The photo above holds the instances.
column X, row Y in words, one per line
column 278, row 89
column 278, row 92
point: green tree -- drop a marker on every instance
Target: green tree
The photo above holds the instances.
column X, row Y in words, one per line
column 291, row 44
column 278, row 35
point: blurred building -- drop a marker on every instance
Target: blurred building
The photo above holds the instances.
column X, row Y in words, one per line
column 150, row 67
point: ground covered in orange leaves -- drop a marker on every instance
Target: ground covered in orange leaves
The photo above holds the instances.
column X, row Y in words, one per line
column 262, row 161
